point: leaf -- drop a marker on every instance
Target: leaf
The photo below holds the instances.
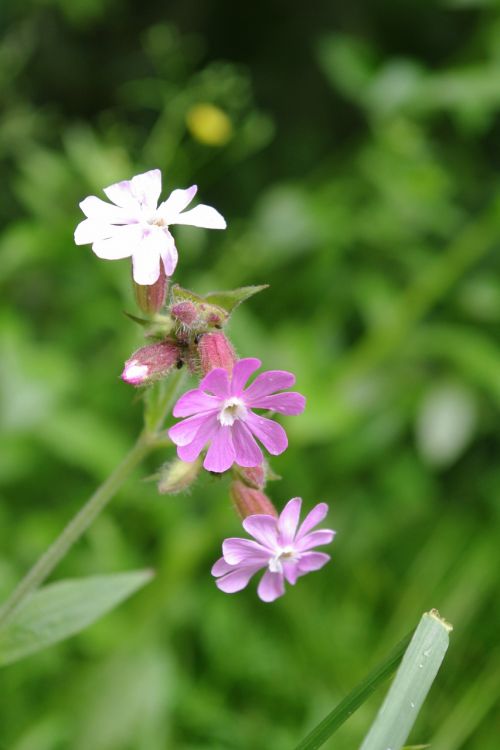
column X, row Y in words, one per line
column 62, row 609
column 413, row 681
column 231, row 299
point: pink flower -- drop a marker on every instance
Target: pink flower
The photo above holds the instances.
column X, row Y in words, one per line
column 220, row 413
column 284, row 552
column 133, row 225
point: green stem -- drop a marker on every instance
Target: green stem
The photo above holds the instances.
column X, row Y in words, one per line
column 145, row 443
column 355, row 699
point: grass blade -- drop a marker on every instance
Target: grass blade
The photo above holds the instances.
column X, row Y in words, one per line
column 413, row 681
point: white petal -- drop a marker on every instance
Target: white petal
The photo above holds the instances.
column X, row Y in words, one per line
column 202, row 216
column 146, row 258
column 122, row 194
column 94, row 208
column 89, row 230
column 121, row 244
column 147, row 188
column 169, row 254
column 175, row 203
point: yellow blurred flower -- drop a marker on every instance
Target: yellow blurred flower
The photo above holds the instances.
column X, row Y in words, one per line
column 209, row 125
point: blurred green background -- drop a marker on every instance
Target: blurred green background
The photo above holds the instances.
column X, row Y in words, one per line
column 354, row 149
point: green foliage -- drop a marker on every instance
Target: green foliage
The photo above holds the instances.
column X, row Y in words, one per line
column 373, row 215
column 62, row 609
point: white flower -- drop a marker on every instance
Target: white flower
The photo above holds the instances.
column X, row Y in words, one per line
column 133, row 225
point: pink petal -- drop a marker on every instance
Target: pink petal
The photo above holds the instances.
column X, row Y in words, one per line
column 217, row 382
column 184, row 432
column 105, row 213
column 271, row 434
column 221, row 567
column 269, row 382
column 169, row 254
column 288, row 520
column 236, row 579
column 176, row 202
column 193, row 402
column 242, row 370
column 314, row 539
column 291, row 571
column 271, row 586
column 236, row 551
column 312, row 561
column 147, row 188
column 220, row 455
column 202, row 216
column 247, row 451
column 122, row 195
column 285, row 403
column 208, row 429
column 122, row 243
column 263, row 528
column 315, row 516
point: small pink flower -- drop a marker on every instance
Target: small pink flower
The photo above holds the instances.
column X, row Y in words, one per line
column 284, row 552
column 220, row 413
column 133, row 225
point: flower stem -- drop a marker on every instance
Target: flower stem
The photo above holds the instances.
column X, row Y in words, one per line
column 146, row 442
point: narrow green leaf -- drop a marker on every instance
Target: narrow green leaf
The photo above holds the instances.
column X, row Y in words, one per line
column 413, row 681
column 231, row 299
column 62, row 609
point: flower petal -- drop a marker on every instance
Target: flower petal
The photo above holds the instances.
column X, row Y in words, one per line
column 271, row 586
column 263, row 528
column 269, row 382
column 217, row 382
column 314, row 539
column 89, row 231
column 207, row 430
column 291, row 571
column 285, row 403
column 315, row 516
column 271, row 434
column 195, row 401
column 236, row 550
column 122, row 194
column 221, row 567
column 122, row 243
column 246, row 450
column 202, row 216
column 184, row 432
column 242, row 370
column 312, row 561
column 147, row 188
column 176, row 202
column 169, row 254
column 236, row 579
column 220, row 455
column 97, row 209
column 288, row 521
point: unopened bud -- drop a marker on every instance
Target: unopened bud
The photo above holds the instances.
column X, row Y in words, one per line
column 151, row 298
column 215, row 350
column 178, row 475
column 185, row 312
column 249, row 501
column 254, row 476
column 151, row 363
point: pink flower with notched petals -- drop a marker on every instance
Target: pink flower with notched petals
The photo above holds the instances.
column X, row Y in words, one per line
column 220, row 413
column 278, row 547
column 133, row 225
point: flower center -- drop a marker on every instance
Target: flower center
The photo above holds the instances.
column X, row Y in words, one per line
column 286, row 553
column 232, row 409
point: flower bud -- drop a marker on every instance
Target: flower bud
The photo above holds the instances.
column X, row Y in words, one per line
column 248, row 501
column 151, row 363
column 178, row 475
column 185, row 312
column 215, row 350
column 254, row 476
column 151, row 298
